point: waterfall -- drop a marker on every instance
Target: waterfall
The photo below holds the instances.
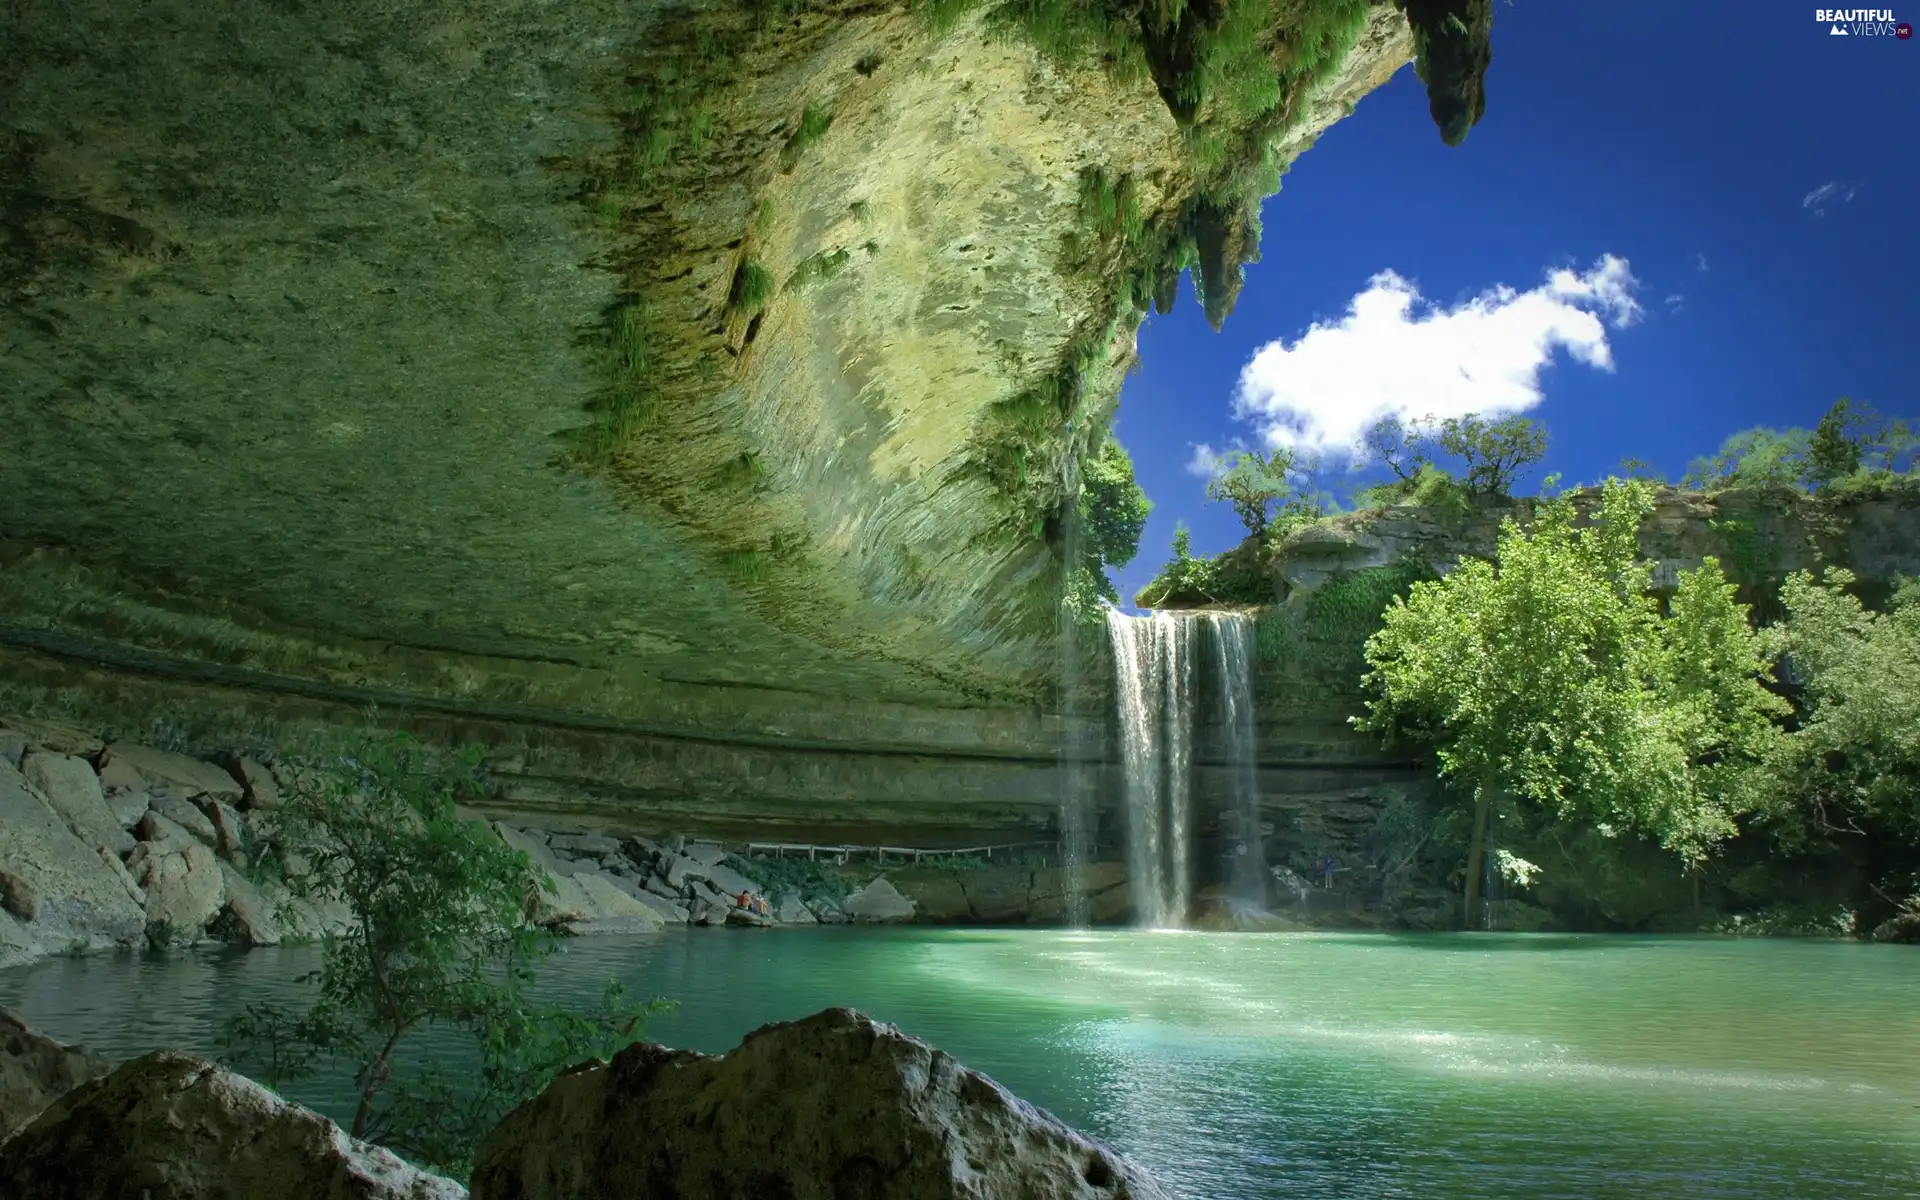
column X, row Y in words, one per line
column 1155, row 669
column 1153, row 690
column 1233, row 641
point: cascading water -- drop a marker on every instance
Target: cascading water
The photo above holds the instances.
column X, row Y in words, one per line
column 1233, row 642
column 1155, row 667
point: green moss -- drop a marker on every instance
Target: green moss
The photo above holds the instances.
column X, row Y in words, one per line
column 1325, row 632
column 817, row 268
column 814, row 122
column 747, row 566
column 626, row 406
column 752, row 288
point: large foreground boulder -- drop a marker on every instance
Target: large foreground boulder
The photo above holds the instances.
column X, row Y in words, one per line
column 835, row 1105
column 172, row 1127
column 35, row 1071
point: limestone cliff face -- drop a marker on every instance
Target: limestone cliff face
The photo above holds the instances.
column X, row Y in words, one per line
column 615, row 369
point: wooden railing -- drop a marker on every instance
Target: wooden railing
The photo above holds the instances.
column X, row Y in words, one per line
column 844, row 854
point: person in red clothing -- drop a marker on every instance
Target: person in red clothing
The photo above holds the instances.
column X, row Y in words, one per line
column 743, row 902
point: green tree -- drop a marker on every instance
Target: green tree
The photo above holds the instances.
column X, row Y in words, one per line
column 1854, row 759
column 1757, row 457
column 1553, row 677
column 1113, row 508
column 1252, row 483
column 435, row 939
column 1833, row 451
column 1495, row 451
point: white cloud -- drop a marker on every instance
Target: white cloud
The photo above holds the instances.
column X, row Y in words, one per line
column 1205, row 461
column 1826, row 197
column 1675, row 301
column 1396, row 354
column 1699, row 262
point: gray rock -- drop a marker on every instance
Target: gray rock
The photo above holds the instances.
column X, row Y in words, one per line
column 69, row 785
column 75, row 897
column 878, row 903
column 730, row 881
column 229, row 828
column 662, row 889
column 664, row 909
column 673, row 843
column 118, row 775
column 534, row 846
column 790, row 909
column 35, row 1071
column 172, row 1125
column 135, row 892
column 252, row 919
column 259, row 789
column 158, row 832
column 127, row 807
column 591, row 845
column 17, row 946
column 13, row 747
column 185, row 891
column 705, row 853
column 682, row 870
column 185, row 814
column 611, row 902
column 644, row 851
column 164, row 767
column 833, row 1105
column 827, row 912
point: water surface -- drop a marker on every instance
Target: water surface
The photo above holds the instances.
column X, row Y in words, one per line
column 1299, row 1065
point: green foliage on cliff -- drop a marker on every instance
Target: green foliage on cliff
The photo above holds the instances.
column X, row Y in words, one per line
column 1553, row 677
column 436, row 942
column 1852, row 451
column 1113, row 508
column 1453, row 46
column 1491, row 454
column 1251, row 483
column 815, row 120
column 1324, row 632
column 752, row 288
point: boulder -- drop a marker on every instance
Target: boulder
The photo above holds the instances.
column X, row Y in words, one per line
column 251, row 918
column 644, row 850
column 166, row 768
column 229, row 829
column 127, row 807
column 185, row 814
column 1103, row 885
column 117, row 775
column 661, row 888
column 790, row 909
column 69, row 785
column 1903, row 926
column 135, row 892
column 172, row 1125
column 17, row 945
column 667, row 912
column 707, row 854
column 158, row 833
column 534, row 846
column 74, row 898
column 35, row 1071
column 258, row 788
column 747, row 919
column 827, row 912
column 878, row 903
column 832, row 1105
column 586, row 845
column 612, row 903
column 185, row 890
column 728, row 880
column 682, row 870
column 13, row 747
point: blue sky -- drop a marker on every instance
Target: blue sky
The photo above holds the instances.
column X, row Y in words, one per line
column 1730, row 192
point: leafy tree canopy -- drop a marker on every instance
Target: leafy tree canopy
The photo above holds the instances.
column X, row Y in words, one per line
column 1253, row 483
column 1853, row 763
column 1552, row 676
column 1492, row 453
column 1113, row 508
